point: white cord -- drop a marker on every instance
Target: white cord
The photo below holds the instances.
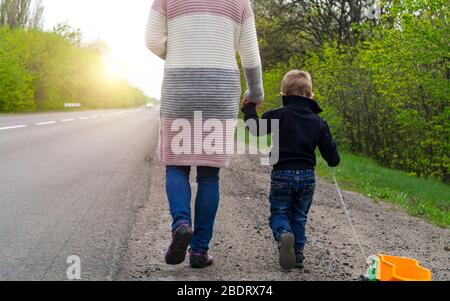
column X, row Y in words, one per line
column 348, row 216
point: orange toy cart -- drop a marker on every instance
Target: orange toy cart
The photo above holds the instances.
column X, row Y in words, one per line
column 392, row 268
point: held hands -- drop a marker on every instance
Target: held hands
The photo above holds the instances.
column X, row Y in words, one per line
column 246, row 102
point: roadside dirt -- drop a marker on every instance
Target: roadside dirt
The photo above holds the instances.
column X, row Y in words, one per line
column 243, row 245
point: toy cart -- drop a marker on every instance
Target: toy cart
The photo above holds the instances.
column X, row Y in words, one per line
column 392, row 268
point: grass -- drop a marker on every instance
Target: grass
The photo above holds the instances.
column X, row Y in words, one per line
column 425, row 198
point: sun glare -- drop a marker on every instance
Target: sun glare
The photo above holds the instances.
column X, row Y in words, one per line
column 114, row 68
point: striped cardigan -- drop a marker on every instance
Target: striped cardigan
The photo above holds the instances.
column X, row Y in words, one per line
column 199, row 39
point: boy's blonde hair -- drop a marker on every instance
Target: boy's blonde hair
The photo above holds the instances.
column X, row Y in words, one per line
column 297, row 82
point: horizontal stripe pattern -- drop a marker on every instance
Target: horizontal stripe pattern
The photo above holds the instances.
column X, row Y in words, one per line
column 248, row 45
column 202, row 41
column 199, row 40
column 156, row 34
column 215, row 92
column 200, row 142
column 160, row 6
column 235, row 10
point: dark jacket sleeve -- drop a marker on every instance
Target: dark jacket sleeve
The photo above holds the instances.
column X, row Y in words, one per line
column 254, row 124
column 328, row 147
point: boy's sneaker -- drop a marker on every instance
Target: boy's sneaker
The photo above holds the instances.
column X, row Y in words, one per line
column 200, row 260
column 181, row 239
column 287, row 251
column 300, row 263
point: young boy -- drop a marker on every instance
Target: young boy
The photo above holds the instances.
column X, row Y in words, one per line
column 301, row 131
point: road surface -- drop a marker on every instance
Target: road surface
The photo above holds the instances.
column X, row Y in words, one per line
column 88, row 184
column 71, row 184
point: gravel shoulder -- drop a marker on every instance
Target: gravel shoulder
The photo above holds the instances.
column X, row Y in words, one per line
column 243, row 245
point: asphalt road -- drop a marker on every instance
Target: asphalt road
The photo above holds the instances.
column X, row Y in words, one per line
column 71, row 184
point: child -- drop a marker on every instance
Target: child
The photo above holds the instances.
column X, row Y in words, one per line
column 301, row 131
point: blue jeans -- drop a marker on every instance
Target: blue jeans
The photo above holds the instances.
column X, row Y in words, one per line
column 291, row 197
column 179, row 193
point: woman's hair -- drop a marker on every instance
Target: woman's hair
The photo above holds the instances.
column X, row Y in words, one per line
column 297, row 82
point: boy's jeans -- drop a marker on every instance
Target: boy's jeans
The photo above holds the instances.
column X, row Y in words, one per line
column 206, row 205
column 291, row 196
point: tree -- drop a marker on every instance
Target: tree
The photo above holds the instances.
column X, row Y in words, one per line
column 385, row 93
column 21, row 13
column 293, row 27
column 70, row 34
column 43, row 70
column 37, row 16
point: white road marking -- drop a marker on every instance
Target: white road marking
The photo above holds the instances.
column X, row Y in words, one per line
column 65, row 120
column 13, row 127
column 45, row 123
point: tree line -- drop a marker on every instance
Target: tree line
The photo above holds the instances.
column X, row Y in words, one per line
column 42, row 70
column 21, row 13
column 381, row 71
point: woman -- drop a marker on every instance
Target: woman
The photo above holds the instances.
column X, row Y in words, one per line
column 199, row 39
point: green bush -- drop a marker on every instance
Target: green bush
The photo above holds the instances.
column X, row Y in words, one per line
column 16, row 92
column 387, row 97
column 44, row 70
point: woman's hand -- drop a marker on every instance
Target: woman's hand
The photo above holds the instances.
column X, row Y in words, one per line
column 246, row 102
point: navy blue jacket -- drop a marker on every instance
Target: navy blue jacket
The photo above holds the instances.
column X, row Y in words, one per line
column 301, row 131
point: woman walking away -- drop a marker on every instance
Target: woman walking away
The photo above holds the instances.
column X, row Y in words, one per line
column 201, row 91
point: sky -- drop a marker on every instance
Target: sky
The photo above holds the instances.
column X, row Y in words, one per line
column 119, row 23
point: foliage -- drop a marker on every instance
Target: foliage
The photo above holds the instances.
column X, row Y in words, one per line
column 296, row 27
column 15, row 85
column 387, row 95
column 43, row 70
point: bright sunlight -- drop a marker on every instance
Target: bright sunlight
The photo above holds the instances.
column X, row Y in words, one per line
column 121, row 25
column 113, row 66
